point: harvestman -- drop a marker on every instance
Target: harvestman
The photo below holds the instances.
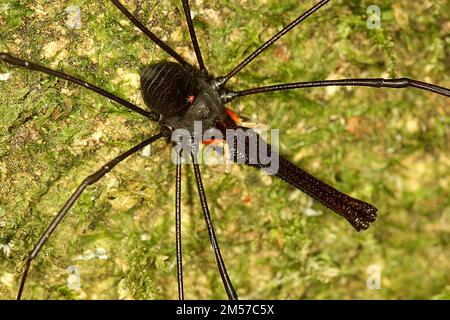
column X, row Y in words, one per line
column 177, row 94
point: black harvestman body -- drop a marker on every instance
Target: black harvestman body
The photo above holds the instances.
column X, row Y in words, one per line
column 173, row 108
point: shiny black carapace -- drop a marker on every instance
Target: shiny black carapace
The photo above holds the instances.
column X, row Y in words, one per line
column 178, row 95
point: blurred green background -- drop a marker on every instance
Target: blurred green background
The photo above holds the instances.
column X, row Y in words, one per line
column 388, row 147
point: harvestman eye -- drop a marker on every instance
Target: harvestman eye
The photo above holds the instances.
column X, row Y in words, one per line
column 167, row 86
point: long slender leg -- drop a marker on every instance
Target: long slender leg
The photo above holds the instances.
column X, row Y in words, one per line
column 232, row 295
column 271, row 41
column 178, row 229
column 398, row 83
column 150, row 34
column 6, row 57
column 198, row 53
column 62, row 213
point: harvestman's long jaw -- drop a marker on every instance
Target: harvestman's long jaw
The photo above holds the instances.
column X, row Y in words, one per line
column 358, row 213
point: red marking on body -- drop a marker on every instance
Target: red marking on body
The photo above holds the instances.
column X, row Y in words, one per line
column 233, row 116
column 211, row 141
column 191, row 99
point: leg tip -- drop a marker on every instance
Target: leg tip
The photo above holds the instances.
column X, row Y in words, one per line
column 362, row 219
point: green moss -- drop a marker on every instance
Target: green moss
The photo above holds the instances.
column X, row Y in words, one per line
column 388, row 147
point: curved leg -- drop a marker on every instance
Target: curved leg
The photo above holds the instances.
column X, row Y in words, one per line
column 6, row 57
column 62, row 213
column 398, row 83
column 232, row 295
column 178, row 229
column 150, row 34
column 268, row 43
column 198, row 53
